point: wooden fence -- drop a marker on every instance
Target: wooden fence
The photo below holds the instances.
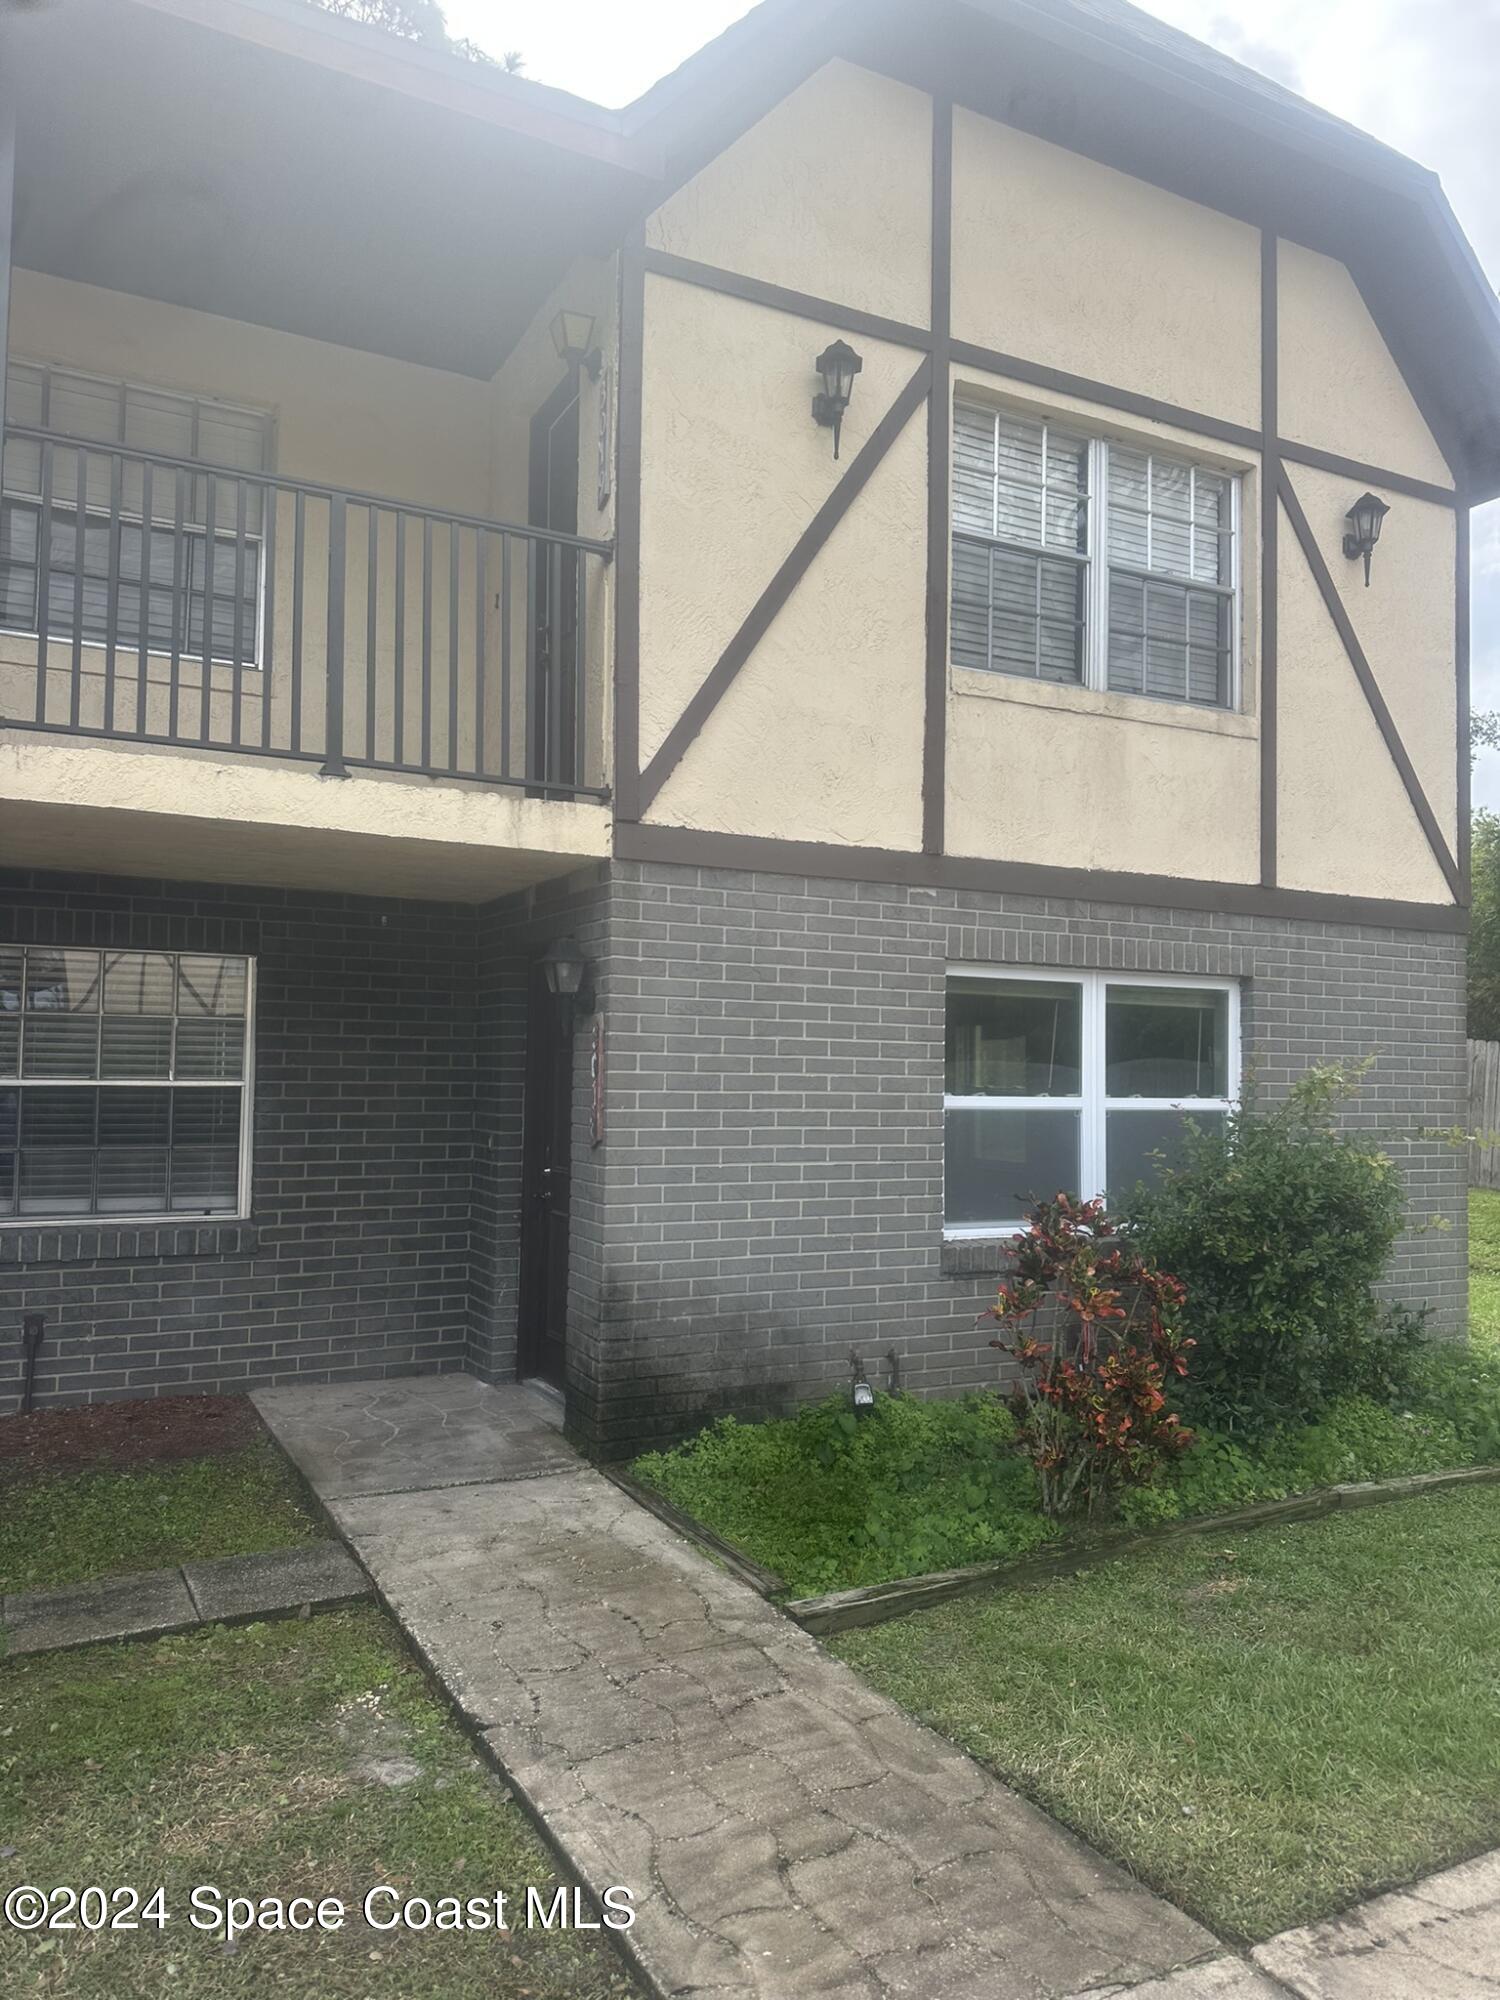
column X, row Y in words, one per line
column 1484, row 1114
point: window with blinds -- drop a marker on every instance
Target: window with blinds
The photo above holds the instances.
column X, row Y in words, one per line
column 1080, row 560
column 188, row 561
column 124, row 1079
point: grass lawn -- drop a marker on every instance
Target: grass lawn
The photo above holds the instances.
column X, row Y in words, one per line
column 64, row 1528
column 305, row 1757
column 1264, row 1728
column 1484, row 1268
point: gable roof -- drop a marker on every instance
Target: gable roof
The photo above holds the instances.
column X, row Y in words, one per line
column 525, row 178
column 1192, row 119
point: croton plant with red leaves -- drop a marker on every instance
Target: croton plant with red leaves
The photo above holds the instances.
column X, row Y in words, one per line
column 1091, row 1399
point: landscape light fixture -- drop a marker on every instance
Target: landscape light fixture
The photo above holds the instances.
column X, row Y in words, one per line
column 1362, row 529
column 837, row 365
column 573, row 337
column 861, row 1394
column 569, row 975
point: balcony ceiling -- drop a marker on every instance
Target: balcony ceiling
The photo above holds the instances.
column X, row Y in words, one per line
column 273, row 165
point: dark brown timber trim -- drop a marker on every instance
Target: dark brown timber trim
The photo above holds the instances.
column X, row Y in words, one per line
column 1039, row 376
column 760, row 292
column 1461, row 660
column 690, row 847
column 759, row 619
column 851, row 319
column 1368, row 475
column 1270, row 522
column 1371, row 687
column 939, row 449
column 628, row 530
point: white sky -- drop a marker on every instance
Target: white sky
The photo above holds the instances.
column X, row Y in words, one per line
column 1424, row 75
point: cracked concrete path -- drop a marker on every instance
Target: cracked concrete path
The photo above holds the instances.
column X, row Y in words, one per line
column 1439, row 1940
column 785, row 1829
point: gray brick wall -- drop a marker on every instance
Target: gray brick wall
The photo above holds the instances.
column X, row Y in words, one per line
column 356, row 1260
column 773, row 1166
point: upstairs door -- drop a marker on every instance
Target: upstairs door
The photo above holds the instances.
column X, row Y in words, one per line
column 552, row 638
column 546, row 1185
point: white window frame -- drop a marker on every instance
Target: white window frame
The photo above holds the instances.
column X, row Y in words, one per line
column 244, row 1083
column 81, row 507
column 1094, row 558
column 1091, row 1103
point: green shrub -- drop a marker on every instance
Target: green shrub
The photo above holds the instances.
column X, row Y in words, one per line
column 830, row 1500
column 1355, row 1440
column 1278, row 1227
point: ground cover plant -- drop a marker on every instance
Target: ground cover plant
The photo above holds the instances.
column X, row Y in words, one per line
column 830, row 1501
column 134, row 1486
column 305, row 1757
column 1264, row 1726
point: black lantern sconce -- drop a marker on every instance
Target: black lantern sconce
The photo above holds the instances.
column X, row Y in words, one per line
column 569, row 975
column 1362, row 529
column 837, row 365
column 573, row 337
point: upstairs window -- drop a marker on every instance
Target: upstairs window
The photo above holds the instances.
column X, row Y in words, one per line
column 1084, row 561
column 179, row 552
column 124, row 1083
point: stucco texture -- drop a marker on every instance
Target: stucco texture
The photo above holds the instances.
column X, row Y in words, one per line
column 1339, row 387
column 1345, row 821
column 828, row 194
column 1060, row 260
column 820, row 736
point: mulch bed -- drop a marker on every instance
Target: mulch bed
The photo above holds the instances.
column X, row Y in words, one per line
column 150, row 1431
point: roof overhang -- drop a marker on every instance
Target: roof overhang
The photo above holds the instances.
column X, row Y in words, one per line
column 268, row 162
column 263, row 161
column 1109, row 81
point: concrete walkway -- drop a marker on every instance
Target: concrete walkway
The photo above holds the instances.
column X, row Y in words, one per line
column 785, row 1830
column 148, row 1604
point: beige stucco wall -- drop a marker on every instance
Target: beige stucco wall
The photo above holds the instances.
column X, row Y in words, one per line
column 343, row 418
column 1339, row 387
column 1060, row 260
column 1345, row 822
column 820, row 737
column 829, row 194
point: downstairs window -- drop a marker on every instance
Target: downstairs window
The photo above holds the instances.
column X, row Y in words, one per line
column 1074, row 1082
column 124, row 1083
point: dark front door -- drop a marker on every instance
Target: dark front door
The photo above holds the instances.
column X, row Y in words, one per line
column 552, row 691
column 546, row 1163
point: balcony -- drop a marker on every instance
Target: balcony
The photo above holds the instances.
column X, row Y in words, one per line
column 178, row 604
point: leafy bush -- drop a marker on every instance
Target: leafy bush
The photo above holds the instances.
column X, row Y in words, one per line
column 830, row 1500
column 1356, row 1440
column 1278, row 1227
column 1460, row 1387
column 1091, row 1401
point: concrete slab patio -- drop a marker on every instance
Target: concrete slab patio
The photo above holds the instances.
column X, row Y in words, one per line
column 784, row 1829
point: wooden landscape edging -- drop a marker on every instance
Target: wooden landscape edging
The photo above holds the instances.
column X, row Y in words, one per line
column 873, row 1604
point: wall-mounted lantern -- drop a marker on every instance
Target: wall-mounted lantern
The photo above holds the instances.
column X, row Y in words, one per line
column 573, row 337
column 1362, row 529
column 569, row 975
column 837, row 365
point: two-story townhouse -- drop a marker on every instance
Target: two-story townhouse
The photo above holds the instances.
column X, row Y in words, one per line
column 619, row 731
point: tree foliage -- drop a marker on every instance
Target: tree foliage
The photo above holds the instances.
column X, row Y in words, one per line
column 416, row 21
column 1484, row 931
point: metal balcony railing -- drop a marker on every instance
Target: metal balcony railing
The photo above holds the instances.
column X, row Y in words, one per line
column 163, row 601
